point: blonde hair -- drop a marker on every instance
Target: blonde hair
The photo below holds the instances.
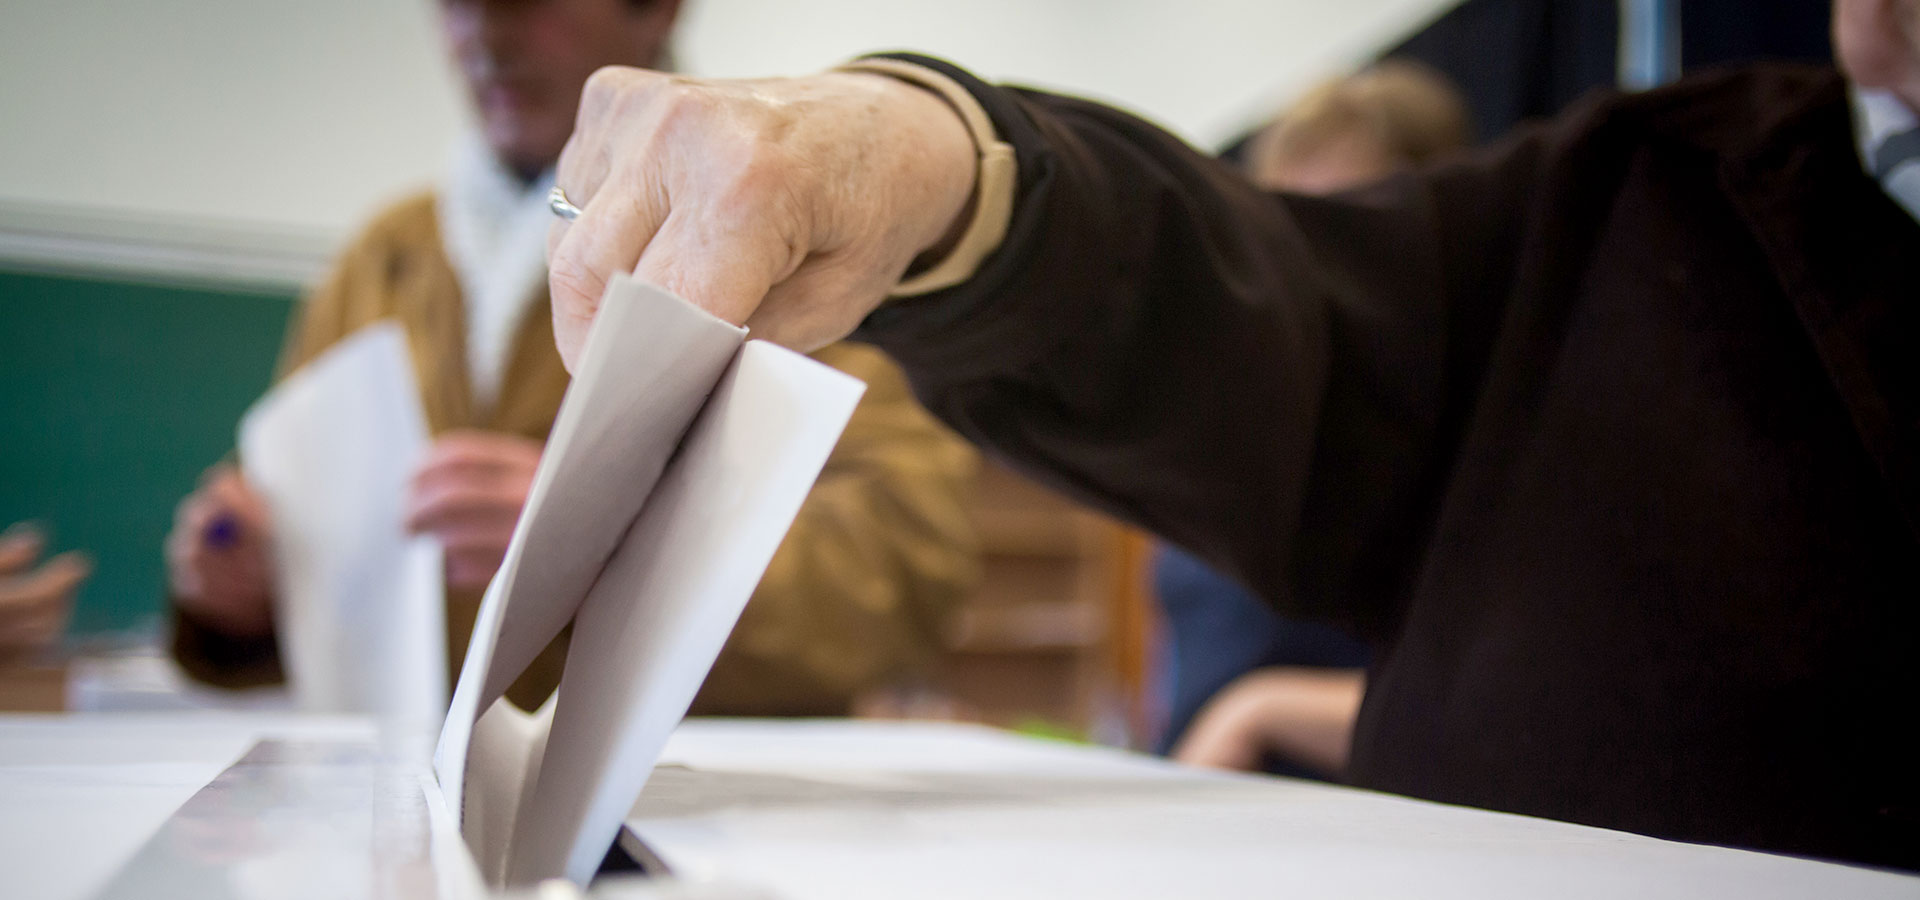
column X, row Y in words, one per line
column 1409, row 111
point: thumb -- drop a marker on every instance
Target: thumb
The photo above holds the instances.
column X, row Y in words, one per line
column 20, row 545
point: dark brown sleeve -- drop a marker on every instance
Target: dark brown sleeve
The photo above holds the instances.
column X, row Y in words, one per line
column 1271, row 381
column 211, row 657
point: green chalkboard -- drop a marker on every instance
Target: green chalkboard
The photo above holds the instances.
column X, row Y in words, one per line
column 114, row 395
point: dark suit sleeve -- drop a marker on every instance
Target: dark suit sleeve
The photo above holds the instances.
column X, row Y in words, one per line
column 1273, row 382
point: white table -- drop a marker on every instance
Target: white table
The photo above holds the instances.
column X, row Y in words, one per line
column 851, row 809
column 847, row 810
column 79, row 795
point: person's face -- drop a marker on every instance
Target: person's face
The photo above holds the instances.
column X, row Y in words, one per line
column 1878, row 43
column 526, row 61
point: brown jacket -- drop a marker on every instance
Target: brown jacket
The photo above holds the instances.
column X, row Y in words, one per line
column 1609, row 438
column 855, row 597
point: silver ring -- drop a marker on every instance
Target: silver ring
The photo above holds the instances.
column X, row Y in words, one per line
column 561, row 206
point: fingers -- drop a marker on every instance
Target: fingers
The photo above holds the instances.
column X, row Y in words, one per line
column 474, row 524
column 52, row 584
column 471, row 486
column 468, row 494
column 722, row 264
column 473, row 568
column 219, row 563
column 466, row 515
column 20, row 545
column 611, row 98
column 718, row 191
column 809, row 310
column 618, row 114
column 471, row 450
column 34, row 607
column 230, row 493
column 608, row 238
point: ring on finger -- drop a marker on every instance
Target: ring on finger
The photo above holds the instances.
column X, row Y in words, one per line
column 557, row 202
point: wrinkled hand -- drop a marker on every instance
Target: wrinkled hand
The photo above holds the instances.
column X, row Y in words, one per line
column 35, row 602
column 218, row 560
column 1304, row 715
column 788, row 205
column 468, row 493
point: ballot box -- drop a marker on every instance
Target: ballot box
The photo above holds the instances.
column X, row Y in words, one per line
column 192, row 805
column 850, row 810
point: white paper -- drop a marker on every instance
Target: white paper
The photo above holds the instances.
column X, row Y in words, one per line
column 507, row 745
column 360, row 606
column 649, row 363
column 653, row 625
column 649, row 527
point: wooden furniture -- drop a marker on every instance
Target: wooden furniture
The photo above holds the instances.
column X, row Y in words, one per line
column 1055, row 636
column 32, row 685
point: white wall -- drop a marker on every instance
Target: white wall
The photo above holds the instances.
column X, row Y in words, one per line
column 289, row 120
column 281, row 113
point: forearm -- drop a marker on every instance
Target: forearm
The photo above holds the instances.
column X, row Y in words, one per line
column 1307, row 715
column 1263, row 379
column 1150, row 338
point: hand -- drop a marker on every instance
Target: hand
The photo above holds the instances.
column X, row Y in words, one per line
column 468, row 494
column 1304, row 715
column 35, row 602
column 218, row 563
column 788, row 205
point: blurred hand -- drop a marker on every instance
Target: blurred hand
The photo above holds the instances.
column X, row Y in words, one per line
column 789, row 205
column 1303, row 715
column 468, row 494
column 218, row 563
column 35, row 602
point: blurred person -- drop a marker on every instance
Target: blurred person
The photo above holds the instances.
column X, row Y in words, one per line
column 1603, row 437
column 856, row 595
column 36, row 597
column 1249, row 688
column 1281, row 694
column 1349, row 131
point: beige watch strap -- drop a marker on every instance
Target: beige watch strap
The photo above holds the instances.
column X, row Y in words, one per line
column 994, row 182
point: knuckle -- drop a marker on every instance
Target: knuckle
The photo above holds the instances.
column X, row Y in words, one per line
column 572, row 282
column 608, row 82
column 685, row 112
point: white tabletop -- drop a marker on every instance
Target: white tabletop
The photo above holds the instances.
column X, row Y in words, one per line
column 853, row 809
column 849, row 810
column 80, row 794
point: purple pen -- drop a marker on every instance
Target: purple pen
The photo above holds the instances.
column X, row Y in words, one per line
column 222, row 532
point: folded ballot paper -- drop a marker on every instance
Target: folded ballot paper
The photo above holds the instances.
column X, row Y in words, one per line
column 680, row 456
column 360, row 610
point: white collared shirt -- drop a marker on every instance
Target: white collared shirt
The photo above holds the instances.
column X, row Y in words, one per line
column 1885, row 128
column 493, row 227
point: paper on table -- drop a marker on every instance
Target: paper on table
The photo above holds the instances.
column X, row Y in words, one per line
column 650, row 535
column 649, row 363
column 655, row 621
column 507, row 745
column 360, row 609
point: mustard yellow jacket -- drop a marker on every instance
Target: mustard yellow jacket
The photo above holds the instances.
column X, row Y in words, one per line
column 856, row 596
